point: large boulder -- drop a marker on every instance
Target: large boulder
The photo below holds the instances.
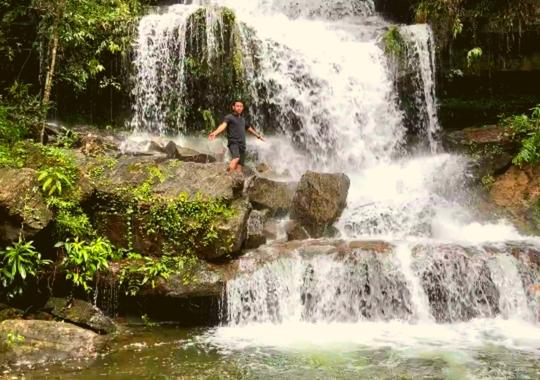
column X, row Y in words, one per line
column 275, row 196
column 21, row 205
column 210, row 180
column 319, row 200
column 31, row 342
column 80, row 313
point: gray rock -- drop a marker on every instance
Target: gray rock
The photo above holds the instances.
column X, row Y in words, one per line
column 41, row 342
column 187, row 154
column 80, row 313
column 255, row 230
column 205, row 280
column 21, row 205
column 275, row 196
column 318, row 202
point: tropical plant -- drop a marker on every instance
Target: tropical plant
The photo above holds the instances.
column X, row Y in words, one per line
column 526, row 131
column 83, row 259
column 19, row 262
column 54, row 180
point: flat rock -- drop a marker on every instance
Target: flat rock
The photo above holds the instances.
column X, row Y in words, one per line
column 43, row 342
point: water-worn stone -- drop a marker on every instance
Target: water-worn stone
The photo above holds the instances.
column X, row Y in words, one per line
column 187, row 154
column 21, row 205
column 255, row 230
column 39, row 342
column 319, row 200
column 81, row 313
column 275, row 196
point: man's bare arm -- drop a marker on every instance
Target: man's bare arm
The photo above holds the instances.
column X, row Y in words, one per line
column 219, row 129
column 254, row 133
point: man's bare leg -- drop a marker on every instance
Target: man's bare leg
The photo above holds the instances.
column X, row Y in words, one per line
column 239, row 169
column 233, row 165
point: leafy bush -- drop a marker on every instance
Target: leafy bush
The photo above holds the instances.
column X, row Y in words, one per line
column 526, row 131
column 83, row 259
column 71, row 221
column 146, row 270
column 20, row 114
column 19, row 262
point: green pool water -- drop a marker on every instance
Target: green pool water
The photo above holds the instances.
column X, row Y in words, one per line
column 167, row 352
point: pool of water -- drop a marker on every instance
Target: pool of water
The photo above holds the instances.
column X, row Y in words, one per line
column 481, row 349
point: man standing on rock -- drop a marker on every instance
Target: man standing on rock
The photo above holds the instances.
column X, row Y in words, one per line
column 236, row 127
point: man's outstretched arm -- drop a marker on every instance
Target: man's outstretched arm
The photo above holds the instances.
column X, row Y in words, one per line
column 221, row 128
column 254, row 133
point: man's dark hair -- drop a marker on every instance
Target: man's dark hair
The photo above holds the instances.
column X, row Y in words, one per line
column 238, row 101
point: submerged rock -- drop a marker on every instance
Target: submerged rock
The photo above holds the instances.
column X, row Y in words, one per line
column 21, row 205
column 319, row 200
column 29, row 342
column 275, row 196
column 80, row 313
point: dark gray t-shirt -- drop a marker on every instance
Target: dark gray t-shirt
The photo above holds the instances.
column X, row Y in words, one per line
column 236, row 129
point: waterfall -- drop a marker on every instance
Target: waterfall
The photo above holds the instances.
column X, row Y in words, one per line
column 418, row 284
column 317, row 77
column 421, row 54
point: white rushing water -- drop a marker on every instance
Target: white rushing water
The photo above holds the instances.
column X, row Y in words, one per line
column 336, row 109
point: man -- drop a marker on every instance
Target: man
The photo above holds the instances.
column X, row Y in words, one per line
column 236, row 127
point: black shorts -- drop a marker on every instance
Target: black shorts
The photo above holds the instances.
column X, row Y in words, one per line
column 238, row 151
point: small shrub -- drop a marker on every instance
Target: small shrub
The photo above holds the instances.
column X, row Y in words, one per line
column 83, row 260
column 18, row 263
column 526, row 131
column 54, row 180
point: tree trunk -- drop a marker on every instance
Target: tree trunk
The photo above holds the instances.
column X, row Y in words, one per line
column 49, row 77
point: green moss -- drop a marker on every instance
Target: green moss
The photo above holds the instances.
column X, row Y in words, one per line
column 394, row 43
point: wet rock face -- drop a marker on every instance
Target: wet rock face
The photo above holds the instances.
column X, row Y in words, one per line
column 21, row 205
column 489, row 146
column 255, row 230
column 457, row 282
column 35, row 342
column 80, row 313
column 319, row 200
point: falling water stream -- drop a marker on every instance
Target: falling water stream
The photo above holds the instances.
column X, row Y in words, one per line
column 447, row 300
